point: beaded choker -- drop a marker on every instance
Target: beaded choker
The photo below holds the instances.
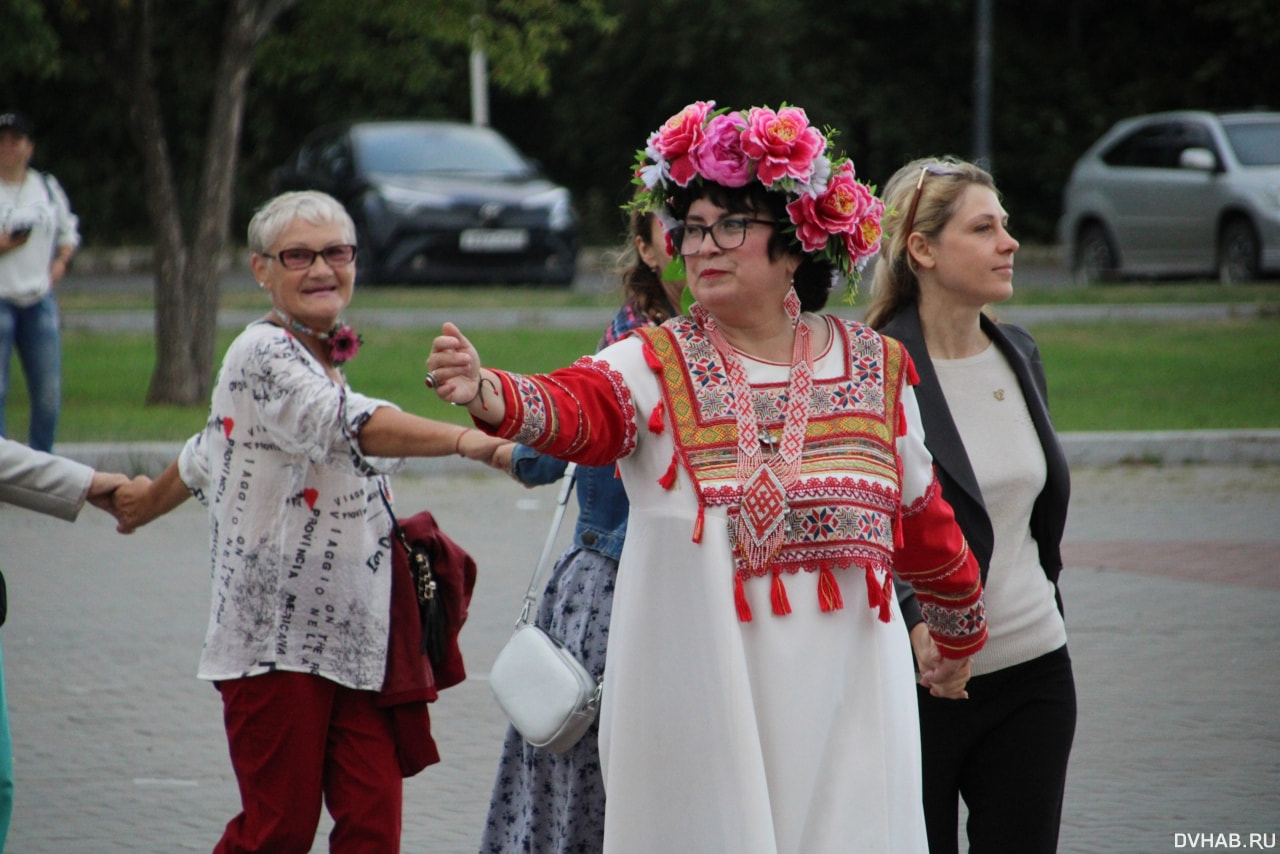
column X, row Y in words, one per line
column 344, row 343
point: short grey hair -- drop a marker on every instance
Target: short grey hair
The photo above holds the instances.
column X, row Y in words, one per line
column 278, row 214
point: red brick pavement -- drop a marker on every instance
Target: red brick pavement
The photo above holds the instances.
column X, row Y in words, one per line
column 1247, row 564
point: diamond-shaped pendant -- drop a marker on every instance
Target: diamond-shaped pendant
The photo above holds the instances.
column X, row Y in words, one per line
column 764, row 505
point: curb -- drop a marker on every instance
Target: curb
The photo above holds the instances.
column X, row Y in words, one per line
column 597, row 318
column 1155, row 447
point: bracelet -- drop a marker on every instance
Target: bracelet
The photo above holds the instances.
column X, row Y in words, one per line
column 480, row 393
column 457, row 446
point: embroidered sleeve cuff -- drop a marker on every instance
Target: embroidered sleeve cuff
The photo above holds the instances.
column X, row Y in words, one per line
column 581, row 413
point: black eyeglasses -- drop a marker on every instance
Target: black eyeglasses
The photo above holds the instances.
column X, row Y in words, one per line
column 927, row 169
column 300, row 258
column 728, row 233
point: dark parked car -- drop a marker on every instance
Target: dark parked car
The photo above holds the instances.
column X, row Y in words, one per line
column 1177, row 194
column 440, row 202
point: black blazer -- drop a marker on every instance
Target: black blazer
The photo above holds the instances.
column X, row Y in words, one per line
column 955, row 474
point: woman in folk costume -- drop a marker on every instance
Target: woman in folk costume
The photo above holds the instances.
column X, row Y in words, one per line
column 758, row 686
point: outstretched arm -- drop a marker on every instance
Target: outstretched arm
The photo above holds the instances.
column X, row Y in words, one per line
column 391, row 433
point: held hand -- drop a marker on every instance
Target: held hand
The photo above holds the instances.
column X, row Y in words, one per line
column 927, row 655
column 481, row 447
column 948, row 678
column 130, row 505
column 103, row 487
column 453, row 368
column 502, row 457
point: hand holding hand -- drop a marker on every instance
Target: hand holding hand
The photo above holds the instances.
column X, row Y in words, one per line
column 948, row 678
column 481, row 447
column 502, row 457
column 130, row 504
column 102, row 487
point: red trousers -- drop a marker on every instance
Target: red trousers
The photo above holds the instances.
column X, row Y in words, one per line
column 296, row 741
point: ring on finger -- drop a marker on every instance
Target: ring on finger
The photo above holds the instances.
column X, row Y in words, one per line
column 429, row 380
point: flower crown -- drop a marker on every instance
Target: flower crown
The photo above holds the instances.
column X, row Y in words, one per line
column 834, row 216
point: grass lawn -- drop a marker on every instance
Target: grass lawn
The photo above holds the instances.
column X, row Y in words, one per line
column 1102, row 376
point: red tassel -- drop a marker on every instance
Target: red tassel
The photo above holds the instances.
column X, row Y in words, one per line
column 902, row 419
column 912, row 377
column 668, row 480
column 873, row 588
column 829, row 598
column 878, row 594
column 778, row 596
column 886, row 592
column 740, row 600
column 898, row 541
column 655, row 418
column 698, row 523
column 651, row 359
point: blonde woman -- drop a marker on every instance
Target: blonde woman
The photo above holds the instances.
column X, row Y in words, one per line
column 984, row 407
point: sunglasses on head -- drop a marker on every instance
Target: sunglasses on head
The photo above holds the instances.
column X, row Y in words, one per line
column 927, row 169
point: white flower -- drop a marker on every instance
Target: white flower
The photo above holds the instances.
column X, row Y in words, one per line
column 821, row 174
column 652, row 174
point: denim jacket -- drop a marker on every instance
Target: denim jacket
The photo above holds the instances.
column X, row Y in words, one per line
column 602, row 502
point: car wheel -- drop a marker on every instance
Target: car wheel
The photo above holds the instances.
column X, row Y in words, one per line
column 1095, row 260
column 1238, row 253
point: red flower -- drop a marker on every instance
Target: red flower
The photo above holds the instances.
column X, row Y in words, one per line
column 344, row 344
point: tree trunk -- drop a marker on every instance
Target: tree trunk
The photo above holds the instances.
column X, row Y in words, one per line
column 187, row 284
column 170, row 381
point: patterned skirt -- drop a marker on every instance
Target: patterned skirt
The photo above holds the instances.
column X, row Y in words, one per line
column 546, row 802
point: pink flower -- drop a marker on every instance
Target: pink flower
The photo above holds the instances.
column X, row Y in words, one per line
column 837, row 210
column 864, row 241
column 679, row 137
column 783, row 142
column 344, row 344
column 720, row 157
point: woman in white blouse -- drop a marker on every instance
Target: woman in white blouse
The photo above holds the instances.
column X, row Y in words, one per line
column 984, row 407
column 291, row 465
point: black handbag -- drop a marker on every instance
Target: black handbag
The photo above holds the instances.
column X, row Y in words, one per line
column 430, row 601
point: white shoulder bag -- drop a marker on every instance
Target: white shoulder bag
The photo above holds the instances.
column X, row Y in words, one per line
column 549, row 696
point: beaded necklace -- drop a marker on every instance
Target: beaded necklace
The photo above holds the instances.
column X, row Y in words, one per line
column 761, row 528
column 344, row 343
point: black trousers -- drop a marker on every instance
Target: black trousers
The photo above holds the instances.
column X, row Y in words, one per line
column 1004, row 750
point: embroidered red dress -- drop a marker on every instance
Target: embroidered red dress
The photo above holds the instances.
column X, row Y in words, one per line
column 757, row 707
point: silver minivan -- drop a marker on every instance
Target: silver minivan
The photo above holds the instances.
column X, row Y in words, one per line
column 1176, row 194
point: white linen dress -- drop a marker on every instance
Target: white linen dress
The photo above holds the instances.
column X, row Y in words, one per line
column 793, row 734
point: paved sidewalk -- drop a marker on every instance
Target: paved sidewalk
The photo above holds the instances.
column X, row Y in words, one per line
column 1171, row 596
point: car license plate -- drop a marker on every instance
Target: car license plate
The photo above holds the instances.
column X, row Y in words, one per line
column 493, row 240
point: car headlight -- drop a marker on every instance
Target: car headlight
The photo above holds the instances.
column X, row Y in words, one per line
column 409, row 202
column 557, row 204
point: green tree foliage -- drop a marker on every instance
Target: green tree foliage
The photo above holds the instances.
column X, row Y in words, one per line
column 894, row 78
column 182, row 93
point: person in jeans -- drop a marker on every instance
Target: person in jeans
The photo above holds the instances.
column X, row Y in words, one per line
column 38, row 235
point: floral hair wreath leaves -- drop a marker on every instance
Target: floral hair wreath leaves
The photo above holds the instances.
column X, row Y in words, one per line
column 834, row 217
